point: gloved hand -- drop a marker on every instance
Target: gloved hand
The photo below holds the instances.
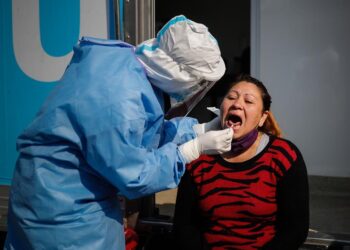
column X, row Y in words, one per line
column 212, row 142
column 208, row 126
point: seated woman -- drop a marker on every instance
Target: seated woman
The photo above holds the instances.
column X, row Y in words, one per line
column 253, row 197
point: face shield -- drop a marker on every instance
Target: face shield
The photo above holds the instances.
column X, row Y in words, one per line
column 182, row 104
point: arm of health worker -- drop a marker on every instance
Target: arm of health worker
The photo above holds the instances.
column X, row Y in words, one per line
column 118, row 154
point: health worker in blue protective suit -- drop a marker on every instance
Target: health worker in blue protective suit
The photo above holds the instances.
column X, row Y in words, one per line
column 102, row 132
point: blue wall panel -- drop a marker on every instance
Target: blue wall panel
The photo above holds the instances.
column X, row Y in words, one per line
column 20, row 94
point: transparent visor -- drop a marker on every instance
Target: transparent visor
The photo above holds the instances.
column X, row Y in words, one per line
column 182, row 104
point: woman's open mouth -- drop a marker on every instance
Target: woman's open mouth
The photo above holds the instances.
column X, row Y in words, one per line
column 233, row 121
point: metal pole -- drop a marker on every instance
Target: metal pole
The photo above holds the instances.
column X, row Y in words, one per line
column 139, row 20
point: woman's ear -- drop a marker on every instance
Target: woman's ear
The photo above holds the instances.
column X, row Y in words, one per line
column 263, row 118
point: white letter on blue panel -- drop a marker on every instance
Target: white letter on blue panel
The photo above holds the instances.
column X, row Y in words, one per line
column 29, row 54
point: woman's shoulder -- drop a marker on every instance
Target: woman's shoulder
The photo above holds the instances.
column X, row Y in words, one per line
column 282, row 141
column 285, row 147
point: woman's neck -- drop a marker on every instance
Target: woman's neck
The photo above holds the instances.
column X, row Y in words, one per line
column 246, row 155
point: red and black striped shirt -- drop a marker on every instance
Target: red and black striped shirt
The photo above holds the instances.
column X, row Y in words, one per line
column 259, row 203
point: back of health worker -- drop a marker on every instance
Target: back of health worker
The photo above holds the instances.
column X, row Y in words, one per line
column 102, row 132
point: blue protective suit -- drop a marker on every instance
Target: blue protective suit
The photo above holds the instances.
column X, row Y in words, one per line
column 101, row 132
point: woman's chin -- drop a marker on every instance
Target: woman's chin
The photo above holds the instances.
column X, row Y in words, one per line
column 237, row 132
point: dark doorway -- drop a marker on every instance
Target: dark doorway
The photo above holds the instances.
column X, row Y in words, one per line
column 229, row 22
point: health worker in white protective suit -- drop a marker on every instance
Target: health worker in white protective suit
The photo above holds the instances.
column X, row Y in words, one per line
column 102, row 132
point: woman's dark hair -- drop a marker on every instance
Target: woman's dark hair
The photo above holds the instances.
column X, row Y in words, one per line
column 270, row 126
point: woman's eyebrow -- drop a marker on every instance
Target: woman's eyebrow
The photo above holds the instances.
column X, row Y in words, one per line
column 233, row 90
column 244, row 94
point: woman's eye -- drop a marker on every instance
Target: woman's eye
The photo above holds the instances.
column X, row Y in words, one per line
column 231, row 97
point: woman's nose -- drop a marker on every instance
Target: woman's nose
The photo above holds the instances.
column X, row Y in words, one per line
column 237, row 103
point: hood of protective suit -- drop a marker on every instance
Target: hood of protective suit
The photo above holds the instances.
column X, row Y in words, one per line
column 182, row 57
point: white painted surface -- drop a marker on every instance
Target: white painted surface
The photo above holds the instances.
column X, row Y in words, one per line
column 303, row 56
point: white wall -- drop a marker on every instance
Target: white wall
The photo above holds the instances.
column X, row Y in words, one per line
column 301, row 51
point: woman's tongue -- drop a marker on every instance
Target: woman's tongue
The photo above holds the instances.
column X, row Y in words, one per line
column 233, row 124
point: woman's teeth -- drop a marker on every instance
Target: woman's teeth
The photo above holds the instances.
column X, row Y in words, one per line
column 230, row 124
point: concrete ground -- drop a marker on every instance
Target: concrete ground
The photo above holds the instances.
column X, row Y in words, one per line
column 330, row 204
